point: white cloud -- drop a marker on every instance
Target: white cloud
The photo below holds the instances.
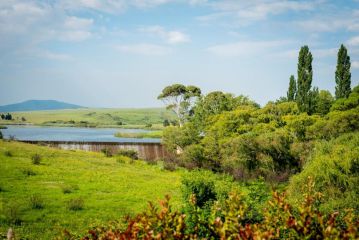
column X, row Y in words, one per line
column 245, row 12
column 76, row 22
column 172, row 37
column 144, row 49
column 54, row 56
column 354, row 41
column 245, row 48
column 317, row 53
column 355, row 65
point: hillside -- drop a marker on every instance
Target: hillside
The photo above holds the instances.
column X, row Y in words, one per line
column 109, row 188
column 37, row 105
column 96, row 117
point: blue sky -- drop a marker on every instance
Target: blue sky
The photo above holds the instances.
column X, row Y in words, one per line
column 121, row 53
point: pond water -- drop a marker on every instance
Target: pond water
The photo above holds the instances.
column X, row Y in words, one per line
column 36, row 133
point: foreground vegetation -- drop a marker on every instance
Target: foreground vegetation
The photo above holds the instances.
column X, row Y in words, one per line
column 44, row 191
column 124, row 118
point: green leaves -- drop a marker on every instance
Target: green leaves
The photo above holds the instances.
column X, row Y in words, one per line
column 342, row 74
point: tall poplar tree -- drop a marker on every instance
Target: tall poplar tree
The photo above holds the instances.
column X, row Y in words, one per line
column 304, row 79
column 292, row 89
column 342, row 74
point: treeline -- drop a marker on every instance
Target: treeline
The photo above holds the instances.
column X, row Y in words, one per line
column 233, row 135
column 7, row 116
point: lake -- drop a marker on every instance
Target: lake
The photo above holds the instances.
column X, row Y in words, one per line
column 36, row 133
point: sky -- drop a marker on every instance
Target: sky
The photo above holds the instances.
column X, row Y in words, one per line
column 122, row 53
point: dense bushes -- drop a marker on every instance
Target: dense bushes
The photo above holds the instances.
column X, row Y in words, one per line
column 228, row 220
column 247, row 141
column 334, row 167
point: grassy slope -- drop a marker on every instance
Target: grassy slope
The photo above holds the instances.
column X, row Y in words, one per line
column 100, row 117
column 110, row 189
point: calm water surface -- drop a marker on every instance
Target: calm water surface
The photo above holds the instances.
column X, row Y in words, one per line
column 71, row 134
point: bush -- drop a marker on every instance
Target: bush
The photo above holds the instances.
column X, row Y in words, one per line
column 8, row 153
column 66, row 189
column 12, row 213
column 334, row 168
column 228, row 221
column 107, row 152
column 128, row 153
column 1, row 136
column 193, row 156
column 75, row 204
column 29, row 172
column 169, row 166
column 201, row 184
column 36, row 202
column 36, row 159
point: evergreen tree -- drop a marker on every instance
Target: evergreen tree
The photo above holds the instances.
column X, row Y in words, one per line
column 313, row 100
column 304, row 80
column 342, row 74
column 292, row 90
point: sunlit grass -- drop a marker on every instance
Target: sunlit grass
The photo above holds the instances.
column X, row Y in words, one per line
column 109, row 189
column 103, row 117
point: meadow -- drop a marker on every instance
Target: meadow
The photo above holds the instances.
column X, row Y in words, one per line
column 95, row 117
column 44, row 191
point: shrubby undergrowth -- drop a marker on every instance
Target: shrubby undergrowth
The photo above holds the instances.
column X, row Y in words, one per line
column 228, row 219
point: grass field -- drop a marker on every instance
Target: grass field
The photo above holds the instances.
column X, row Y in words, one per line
column 103, row 117
column 37, row 196
column 151, row 134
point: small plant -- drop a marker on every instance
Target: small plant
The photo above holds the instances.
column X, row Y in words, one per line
column 170, row 166
column 36, row 202
column 107, row 152
column 151, row 162
column 123, row 159
column 29, row 172
column 7, row 153
column 75, row 204
column 128, row 153
column 13, row 214
column 66, row 189
column 36, row 159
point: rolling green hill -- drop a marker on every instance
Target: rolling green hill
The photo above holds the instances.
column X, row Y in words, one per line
column 95, row 117
column 35, row 198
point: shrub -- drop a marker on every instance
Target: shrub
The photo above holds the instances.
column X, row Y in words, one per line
column 8, row 153
column 12, row 213
column 36, row 159
column 36, row 202
column 201, row 184
column 1, row 136
column 128, row 153
column 29, row 172
column 228, row 221
column 122, row 159
column 66, row 189
column 169, row 166
column 75, row 204
column 334, row 168
column 193, row 156
column 107, row 152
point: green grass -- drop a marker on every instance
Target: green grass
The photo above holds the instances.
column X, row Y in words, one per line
column 151, row 134
column 102, row 117
column 74, row 190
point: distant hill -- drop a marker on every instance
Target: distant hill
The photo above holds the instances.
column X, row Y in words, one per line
column 36, row 105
